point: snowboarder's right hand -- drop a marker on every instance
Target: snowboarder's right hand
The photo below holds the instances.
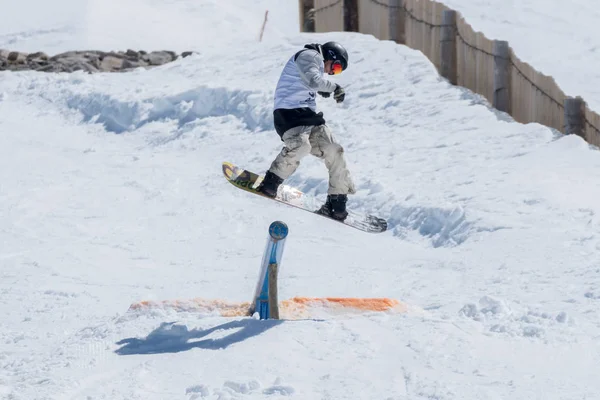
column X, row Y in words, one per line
column 325, row 94
column 339, row 93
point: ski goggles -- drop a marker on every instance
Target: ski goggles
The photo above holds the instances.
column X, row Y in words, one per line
column 336, row 68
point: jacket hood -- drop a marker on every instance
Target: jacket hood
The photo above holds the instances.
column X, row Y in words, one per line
column 314, row 46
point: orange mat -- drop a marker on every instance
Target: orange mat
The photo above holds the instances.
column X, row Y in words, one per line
column 294, row 308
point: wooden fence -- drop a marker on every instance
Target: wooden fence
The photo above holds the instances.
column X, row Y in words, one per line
column 461, row 55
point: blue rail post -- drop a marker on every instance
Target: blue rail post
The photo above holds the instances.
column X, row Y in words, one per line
column 265, row 297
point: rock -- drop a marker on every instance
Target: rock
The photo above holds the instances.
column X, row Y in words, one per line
column 159, row 57
column 50, row 68
column 37, row 60
column 66, row 64
column 68, row 54
column 37, row 56
column 81, row 66
column 111, row 63
column 127, row 64
column 78, row 55
column 187, row 53
column 94, row 59
column 116, row 54
column 36, row 64
column 55, row 67
column 91, row 61
column 18, row 67
column 17, row 57
column 133, row 55
column 92, row 55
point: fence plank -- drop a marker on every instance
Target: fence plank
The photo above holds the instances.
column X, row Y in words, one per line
column 535, row 97
column 436, row 16
column 374, row 18
column 592, row 129
column 423, row 28
column 467, row 59
column 329, row 15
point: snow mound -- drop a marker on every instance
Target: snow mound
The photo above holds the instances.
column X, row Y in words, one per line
column 497, row 316
column 236, row 389
column 446, row 227
column 119, row 116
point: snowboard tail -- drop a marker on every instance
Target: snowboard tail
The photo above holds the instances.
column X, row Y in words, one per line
column 249, row 182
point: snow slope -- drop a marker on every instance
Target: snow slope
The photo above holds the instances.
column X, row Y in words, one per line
column 111, row 193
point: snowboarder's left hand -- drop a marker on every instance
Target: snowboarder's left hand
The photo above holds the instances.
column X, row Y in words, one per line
column 325, row 94
column 339, row 93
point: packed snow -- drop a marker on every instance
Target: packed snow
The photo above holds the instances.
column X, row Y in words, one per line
column 111, row 193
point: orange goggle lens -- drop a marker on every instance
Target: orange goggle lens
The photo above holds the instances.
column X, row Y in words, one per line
column 336, row 68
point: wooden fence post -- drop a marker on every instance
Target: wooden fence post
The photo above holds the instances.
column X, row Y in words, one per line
column 502, row 76
column 397, row 21
column 307, row 15
column 350, row 15
column 448, row 47
column 575, row 116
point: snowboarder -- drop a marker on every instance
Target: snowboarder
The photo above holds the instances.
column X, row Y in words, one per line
column 303, row 130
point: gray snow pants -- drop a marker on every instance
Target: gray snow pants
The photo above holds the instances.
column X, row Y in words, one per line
column 318, row 141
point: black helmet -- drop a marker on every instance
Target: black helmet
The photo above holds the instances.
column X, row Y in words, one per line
column 335, row 51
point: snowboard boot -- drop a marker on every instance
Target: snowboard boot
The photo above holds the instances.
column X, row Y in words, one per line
column 335, row 206
column 269, row 185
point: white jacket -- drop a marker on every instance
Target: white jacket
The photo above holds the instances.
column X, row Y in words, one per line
column 300, row 81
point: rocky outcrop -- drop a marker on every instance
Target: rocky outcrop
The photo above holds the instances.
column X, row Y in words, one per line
column 88, row 61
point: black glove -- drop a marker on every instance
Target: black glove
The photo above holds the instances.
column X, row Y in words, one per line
column 325, row 94
column 339, row 93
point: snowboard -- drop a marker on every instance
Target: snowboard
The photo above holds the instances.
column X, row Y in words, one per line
column 249, row 181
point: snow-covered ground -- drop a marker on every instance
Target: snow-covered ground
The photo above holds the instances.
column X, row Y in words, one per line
column 111, row 193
